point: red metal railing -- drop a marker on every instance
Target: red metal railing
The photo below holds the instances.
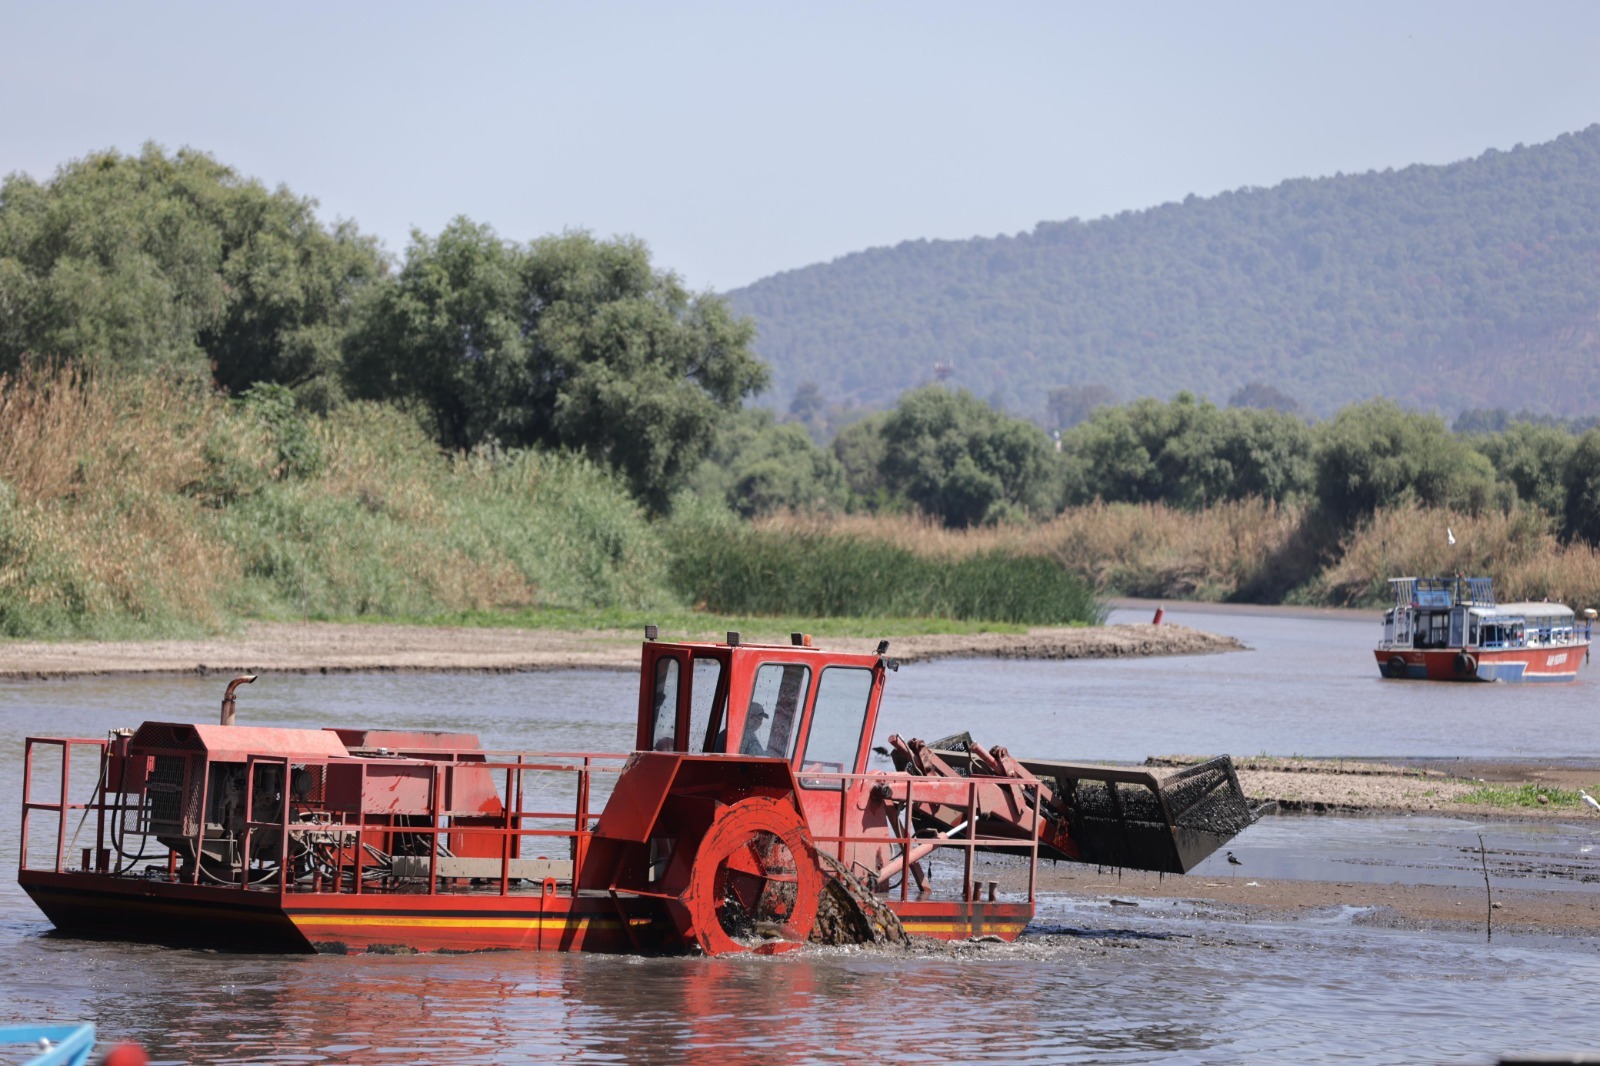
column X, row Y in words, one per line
column 305, row 828
column 905, row 792
column 63, row 806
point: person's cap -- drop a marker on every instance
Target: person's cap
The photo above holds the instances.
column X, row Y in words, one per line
column 757, row 711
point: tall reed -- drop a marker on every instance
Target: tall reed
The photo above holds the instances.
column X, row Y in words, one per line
column 803, row 569
column 392, row 528
column 95, row 534
column 1122, row 549
column 1519, row 549
column 136, row 507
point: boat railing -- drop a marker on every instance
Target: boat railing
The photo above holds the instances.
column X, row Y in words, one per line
column 903, row 794
column 61, row 805
column 436, row 847
column 293, row 840
column 52, row 1045
column 1443, row 593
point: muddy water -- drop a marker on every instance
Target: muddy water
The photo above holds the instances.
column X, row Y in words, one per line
column 1163, row 982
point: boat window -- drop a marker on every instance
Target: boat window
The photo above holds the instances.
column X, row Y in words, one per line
column 1503, row 635
column 772, row 721
column 664, row 726
column 837, row 720
column 707, row 704
column 1432, row 631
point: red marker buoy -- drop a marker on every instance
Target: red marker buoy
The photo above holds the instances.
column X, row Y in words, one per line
column 1157, row 620
column 126, row 1055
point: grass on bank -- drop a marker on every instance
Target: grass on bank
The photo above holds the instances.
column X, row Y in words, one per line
column 139, row 508
column 1526, row 795
column 144, row 507
column 780, row 570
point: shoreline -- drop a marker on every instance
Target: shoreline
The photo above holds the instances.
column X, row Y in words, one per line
column 1386, row 905
column 335, row 647
column 1312, row 788
column 1436, row 786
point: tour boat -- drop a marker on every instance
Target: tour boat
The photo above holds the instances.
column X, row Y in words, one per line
column 1451, row 629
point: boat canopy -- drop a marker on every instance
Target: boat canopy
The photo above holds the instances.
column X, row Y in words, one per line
column 1443, row 593
column 1531, row 611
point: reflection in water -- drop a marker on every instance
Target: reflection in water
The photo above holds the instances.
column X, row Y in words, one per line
column 1078, row 990
column 1165, row 981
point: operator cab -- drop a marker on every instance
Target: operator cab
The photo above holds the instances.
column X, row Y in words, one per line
column 811, row 708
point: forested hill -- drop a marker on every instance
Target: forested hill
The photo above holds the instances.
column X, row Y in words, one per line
column 1475, row 284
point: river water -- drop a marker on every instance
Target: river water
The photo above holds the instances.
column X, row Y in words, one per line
column 1166, row 982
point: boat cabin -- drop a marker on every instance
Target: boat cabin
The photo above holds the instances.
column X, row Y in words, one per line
column 793, row 702
column 1437, row 612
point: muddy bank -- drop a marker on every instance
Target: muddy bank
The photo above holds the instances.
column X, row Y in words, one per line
column 1408, row 906
column 1435, row 786
column 319, row 647
column 1432, row 786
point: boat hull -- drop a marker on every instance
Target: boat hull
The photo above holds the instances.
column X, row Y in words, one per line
column 1512, row 665
column 108, row 907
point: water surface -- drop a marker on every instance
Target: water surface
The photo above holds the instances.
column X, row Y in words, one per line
column 1167, row 982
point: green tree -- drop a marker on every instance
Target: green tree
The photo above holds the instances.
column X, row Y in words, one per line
column 177, row 262
column 566, row 342
column 960, row 460
column 1070, row 405
column 1534, row 458
column 447, row 333
column 1581, row 512
column 810, row 409
column 859, row 448
column 1189, row 453
column 1376, row 454
column 1264, row 397
column 759, row 466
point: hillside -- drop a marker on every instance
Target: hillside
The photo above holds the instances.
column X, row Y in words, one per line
column 1435, row 285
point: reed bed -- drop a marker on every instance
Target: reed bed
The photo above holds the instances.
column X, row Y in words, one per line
column 1519, row 549
column 143, row 507
column 801, row 569
column 95, row 534
column 1252, row 550
column 391, row 528
column 146, row 506
column 1122, row 549
column 1160, row 551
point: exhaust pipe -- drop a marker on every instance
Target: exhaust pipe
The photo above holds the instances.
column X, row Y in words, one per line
column 228, row 700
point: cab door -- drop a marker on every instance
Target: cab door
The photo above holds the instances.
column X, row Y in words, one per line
column 837, row 740
column 683, row 695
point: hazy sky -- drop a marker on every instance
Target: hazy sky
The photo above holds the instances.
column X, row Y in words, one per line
column 741, row 139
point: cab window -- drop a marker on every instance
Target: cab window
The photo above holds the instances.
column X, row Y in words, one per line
column 772, row 719
column 706, row 704
column 664, row 703
column 837, row 721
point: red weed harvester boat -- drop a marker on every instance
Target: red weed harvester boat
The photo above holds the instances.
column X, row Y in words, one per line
column 746, row 820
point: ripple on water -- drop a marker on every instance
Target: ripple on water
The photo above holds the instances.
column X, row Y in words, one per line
column 1094, row 983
